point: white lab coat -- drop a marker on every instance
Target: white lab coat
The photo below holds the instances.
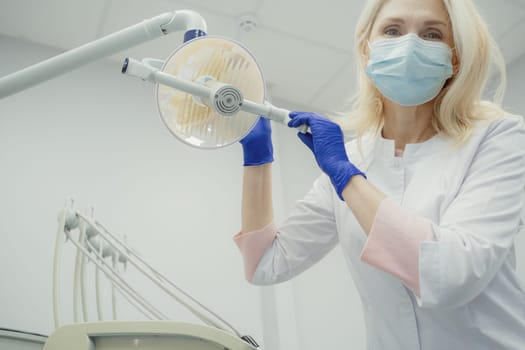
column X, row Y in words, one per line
column 470, row 296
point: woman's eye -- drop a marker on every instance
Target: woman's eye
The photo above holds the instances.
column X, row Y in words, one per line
column 432, row 35
column 391, row 32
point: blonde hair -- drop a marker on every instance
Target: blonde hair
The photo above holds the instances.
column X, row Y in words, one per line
column 460, row 103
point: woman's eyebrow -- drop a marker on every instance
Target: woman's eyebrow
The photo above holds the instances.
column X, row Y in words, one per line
column 393, row 19
column 434, row 22
column 429, row 22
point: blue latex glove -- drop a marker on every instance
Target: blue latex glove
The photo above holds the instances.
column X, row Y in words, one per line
column 257, row 145
column 325, row 139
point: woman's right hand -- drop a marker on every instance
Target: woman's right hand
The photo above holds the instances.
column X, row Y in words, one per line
column 257, row 144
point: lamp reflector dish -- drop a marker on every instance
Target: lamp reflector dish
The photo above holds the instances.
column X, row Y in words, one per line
column 204, row 60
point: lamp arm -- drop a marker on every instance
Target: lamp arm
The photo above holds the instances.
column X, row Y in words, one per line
column 148, row 72
column 147, row 30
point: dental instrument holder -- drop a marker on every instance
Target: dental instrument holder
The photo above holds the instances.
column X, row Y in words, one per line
column 159, row 335
column 96, row 244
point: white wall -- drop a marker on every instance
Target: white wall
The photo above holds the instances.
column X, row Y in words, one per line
column 94, row 135
column 515, row 103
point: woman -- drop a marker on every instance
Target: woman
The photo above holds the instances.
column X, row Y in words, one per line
column 425, row 203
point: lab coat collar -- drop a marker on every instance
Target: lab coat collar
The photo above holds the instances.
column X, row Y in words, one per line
column 385, row 148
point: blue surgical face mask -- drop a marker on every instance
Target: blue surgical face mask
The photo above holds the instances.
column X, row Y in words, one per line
column 409, row 70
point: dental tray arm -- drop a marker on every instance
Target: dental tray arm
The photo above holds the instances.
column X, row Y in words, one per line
column 156, row 335
column 106, row 252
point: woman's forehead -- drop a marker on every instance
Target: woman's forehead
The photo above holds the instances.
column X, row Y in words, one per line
column 424, row 10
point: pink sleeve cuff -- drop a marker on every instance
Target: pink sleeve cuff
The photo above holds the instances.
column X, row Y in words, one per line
column 253, row 245
column 393, row 243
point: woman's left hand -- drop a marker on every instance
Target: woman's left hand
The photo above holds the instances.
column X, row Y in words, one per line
column 325, row 140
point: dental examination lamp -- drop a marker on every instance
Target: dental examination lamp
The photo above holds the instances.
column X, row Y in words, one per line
column 210, row 91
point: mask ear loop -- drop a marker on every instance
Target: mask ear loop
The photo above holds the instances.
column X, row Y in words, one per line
column 455, row 62
column 379, row 104
column 446, row 86
column 455, row 68
column 365, row 53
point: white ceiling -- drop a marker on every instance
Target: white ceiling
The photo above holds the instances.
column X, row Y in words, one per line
column 303, row 47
